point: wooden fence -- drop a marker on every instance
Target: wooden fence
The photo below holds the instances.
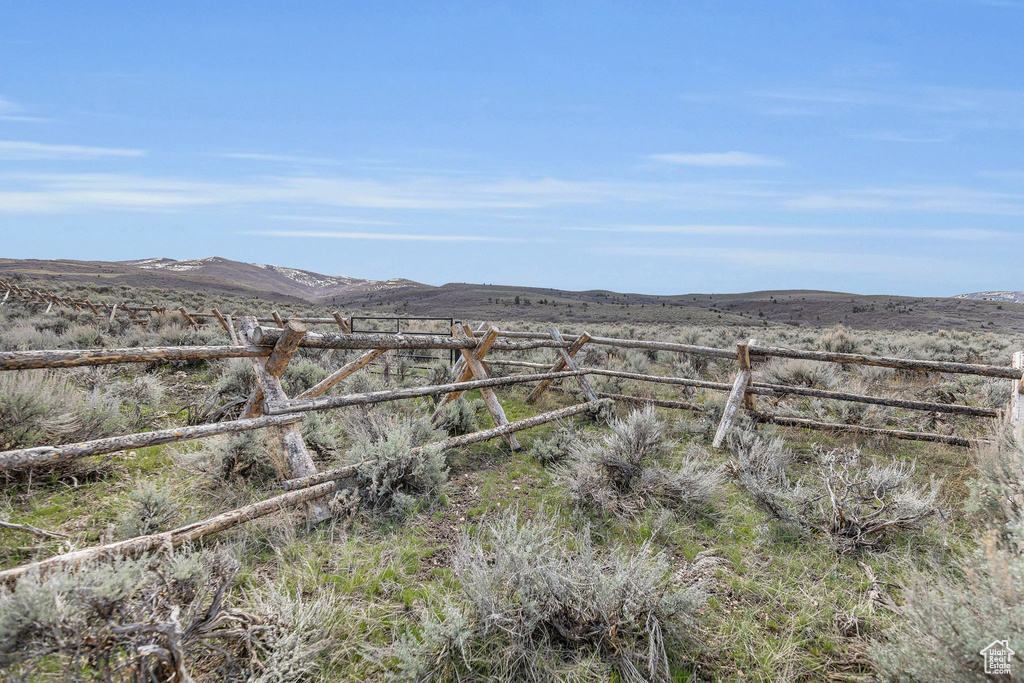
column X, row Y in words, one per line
column 141, row 314
column 270, row 349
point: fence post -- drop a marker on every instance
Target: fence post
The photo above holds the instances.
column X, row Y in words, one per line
column 571, row 364
column 299, row 463
column 227, row 328
column 466, row 373
column 732, row 404
column 1017, row 398
column 476, row 368
column 743, row 356
column 561, row 364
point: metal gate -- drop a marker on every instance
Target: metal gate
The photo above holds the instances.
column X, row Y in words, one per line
column 412, row 325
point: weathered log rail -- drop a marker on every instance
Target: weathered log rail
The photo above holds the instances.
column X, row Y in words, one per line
column 890, row 362
column 271, row 348
column 330, row 402
column 52, row 455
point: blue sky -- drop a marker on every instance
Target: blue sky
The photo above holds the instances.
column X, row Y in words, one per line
column 871, row 147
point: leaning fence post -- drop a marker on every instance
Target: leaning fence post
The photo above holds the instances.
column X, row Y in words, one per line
column 479, row 353
column 299, row 463
column 224, row 323
column 476, row 368
column 732, row 404
column 570, row 363
column 561, row 364
column 184, row 314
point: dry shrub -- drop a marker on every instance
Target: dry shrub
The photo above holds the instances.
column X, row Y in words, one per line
column 626, row 472
column 951, row 613
column 154, row 619
column 558, row 446
column 859, row 507
column 404, row 473
column 864, row 506
column 459, row 416
column 39, row 407
column 538, row 604
column 840, row 340
column 800, row 373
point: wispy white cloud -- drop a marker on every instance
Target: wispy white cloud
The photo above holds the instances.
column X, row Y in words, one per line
column 790, row 260
column 383, row 236
column 13, row 112
column 889, row 136
column 1014, row 175
column 334, row 220
column 308, row 194
column 917, row 199
column 61, row 193
column 277, row 158
column 20, row 150
column 984, row 107
column 954, row 234
column 716, row 159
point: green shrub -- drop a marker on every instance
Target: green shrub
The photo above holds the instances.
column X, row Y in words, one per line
column 537, row 604
column 40, row 408
column 556, row 447
column 459, row 416
column 402, row 474
column 627, row 471
column 301, row 374
column 949, row 614
column 151, row 511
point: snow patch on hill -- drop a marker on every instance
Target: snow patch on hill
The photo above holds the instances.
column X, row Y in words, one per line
column 1016, row 297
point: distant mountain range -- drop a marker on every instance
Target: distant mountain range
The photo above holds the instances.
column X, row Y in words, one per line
column 292, row 288
column 304, row 284
column 212, row 275
column 1016, row 297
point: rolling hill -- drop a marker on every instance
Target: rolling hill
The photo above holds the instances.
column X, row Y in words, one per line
column 985, row 311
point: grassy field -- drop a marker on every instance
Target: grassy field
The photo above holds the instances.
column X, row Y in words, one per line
column 545, row 563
